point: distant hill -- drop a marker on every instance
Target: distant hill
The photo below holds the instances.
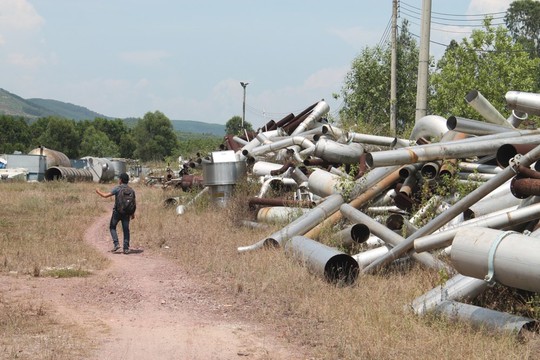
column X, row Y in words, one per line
column 32, row 109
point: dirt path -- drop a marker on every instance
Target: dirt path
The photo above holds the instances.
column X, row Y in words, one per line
column 144, row 307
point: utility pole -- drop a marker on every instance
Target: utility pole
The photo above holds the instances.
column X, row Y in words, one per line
column 423, row 62
column 244, row 84
column 393, row 67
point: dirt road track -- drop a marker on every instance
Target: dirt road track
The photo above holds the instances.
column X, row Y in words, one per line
column 144, row 307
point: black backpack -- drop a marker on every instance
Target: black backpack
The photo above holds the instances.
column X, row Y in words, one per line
column 125, row 201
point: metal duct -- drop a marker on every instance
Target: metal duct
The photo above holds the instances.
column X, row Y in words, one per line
column 67, row 173
column 332, row 151
column 262, row 168
column 478, row 102
column 459, row 287
column 523, row 101
column 279, row 144
column 333, row 265
column 524, row 187
column 486, row 318
column 102, row 169
column 375, row 139
column 506, row 257
column 324, row 183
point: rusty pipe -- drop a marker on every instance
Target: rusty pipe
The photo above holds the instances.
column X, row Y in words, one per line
column 522, row 188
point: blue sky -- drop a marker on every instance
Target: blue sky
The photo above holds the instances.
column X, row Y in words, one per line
column 123, row 58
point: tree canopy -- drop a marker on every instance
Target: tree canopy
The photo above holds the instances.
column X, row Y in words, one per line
column 155, row 137
column 234, row 126
column 366, row 90
column 488, row 61
column 523, row 21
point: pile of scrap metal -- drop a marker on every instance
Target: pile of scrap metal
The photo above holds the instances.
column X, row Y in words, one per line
column 488, row 235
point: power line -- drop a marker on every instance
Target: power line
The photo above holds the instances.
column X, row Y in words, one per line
column 457, row 15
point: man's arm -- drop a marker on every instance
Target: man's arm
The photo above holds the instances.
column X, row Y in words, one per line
column 104, row 194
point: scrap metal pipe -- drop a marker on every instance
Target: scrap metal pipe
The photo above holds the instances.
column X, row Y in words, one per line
column 455, row 210
column 323, row 260
column 253, row 201
column 278, row 145
column 478, row 102
column 301, row 225
column 524, row 187
column 523, row 101
column 368, row 187
column 474, row 127
column 332, row 151
column 67, row 173
column 484, row 145
column 431, row 126
column 318, row 112
column 387, row 235
column 353, row 234
column 459, row 287
column 367, row 257
column 507, row 151
column 324, row 183
column 486, row 318
column 279, row 214
column 508, row 258
column 495, row 221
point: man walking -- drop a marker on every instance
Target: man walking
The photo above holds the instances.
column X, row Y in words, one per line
column 123, row 210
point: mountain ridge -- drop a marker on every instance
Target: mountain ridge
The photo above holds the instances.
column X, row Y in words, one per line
column 34, row 108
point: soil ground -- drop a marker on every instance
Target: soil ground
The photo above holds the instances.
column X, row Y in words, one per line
column 144, row 306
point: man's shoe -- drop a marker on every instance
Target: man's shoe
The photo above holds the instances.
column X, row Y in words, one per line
column 115, row 248
column 126, row 251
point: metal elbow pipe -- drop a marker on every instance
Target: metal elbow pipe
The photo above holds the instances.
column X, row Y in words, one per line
column 318, row 111
column 431, row 126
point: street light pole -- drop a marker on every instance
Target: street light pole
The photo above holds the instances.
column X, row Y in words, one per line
column 244, row 84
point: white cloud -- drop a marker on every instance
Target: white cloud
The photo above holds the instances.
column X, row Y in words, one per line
column 326, row 78
column 18, row 15
column 488, row 6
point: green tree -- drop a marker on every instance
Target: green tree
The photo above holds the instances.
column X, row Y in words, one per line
column 61, row 135
column 14, row 135
column 155, row 137
column 488, row 61
column 523, row 21
column 97, row 143
column 366, row 91
column 234, row 126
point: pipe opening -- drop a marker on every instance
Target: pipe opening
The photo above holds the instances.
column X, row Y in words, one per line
column 360, row 233
column 341, row 269
column 451, row 122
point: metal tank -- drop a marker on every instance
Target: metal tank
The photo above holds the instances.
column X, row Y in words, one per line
column 54, row 158
column 221, row 173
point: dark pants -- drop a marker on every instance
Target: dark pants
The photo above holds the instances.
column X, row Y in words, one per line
column 115, row 218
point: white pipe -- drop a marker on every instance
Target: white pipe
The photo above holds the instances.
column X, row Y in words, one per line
column 509, row 258
column 478, row 102
column 318, row 111
column 431, row 126
column 279, row 214
column 523, row 101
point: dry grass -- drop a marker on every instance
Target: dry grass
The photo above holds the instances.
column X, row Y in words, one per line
column 43, row 226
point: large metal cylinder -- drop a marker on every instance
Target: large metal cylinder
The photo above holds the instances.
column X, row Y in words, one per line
column 102, row 169
column 333, row 265
column 509, row 258
column 67, row 173
column 523, row 101
column 54, row 158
